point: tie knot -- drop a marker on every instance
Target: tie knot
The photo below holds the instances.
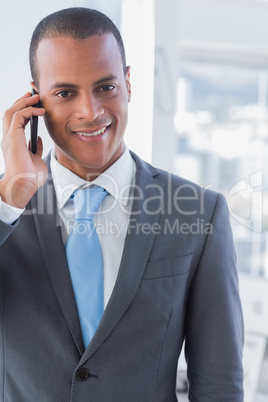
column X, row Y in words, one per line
column 87, row 202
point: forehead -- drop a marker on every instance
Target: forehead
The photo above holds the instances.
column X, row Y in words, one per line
column 68, row 58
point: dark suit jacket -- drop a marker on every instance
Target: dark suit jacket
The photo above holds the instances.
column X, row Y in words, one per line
column 177, row 280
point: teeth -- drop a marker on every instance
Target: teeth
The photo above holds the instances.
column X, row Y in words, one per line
column 92, row 134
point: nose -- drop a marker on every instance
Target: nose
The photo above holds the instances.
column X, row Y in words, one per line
column 89, row 107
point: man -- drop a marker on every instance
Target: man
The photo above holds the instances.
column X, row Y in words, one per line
column 168, row 256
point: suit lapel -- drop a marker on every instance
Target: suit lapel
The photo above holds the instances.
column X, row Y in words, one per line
column 50, row 239
column 135, row 255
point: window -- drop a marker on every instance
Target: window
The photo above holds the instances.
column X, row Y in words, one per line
column 222, row 144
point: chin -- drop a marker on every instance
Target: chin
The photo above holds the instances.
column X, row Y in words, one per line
column 94, row 165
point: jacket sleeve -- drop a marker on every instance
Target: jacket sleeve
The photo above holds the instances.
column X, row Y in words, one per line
column 214, row 324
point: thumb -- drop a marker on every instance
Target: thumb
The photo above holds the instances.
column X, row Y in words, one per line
column 39, row 148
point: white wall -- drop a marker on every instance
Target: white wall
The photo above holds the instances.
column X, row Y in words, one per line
column 225, row 30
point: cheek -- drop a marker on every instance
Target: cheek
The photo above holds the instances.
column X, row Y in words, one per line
column 121, row 110
column 54, row 119
column 50, row 122
column 124, row 114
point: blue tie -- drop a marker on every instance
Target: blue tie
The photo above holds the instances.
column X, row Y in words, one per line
column 84, row 255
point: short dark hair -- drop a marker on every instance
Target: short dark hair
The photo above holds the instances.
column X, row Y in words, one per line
column 77, row 23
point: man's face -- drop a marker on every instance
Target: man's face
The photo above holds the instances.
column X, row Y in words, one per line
column 85, row 91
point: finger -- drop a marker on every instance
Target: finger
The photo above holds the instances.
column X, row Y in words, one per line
column 27, row 95
column 22, row 103
column 21, row 118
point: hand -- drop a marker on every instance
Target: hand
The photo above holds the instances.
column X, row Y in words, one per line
column 25, row 171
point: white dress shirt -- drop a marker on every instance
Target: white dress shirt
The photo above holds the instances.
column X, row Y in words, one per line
column 112, row 218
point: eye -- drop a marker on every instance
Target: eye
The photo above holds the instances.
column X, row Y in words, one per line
column 63, row 94
column 107, row 88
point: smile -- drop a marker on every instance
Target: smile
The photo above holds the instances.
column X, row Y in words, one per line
column 92, row 134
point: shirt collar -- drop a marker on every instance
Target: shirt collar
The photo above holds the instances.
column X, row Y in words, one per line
column 117, row 179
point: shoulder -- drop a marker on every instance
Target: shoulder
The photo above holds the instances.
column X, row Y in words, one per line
column 179, row 188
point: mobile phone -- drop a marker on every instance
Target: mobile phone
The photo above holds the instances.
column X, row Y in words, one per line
column 34, row 127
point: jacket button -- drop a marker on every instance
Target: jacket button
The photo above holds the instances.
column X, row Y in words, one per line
column 82, row 374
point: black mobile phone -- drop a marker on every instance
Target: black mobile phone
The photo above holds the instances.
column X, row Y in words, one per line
column 34, row 127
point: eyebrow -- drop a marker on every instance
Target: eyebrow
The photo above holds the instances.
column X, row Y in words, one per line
column 64, row 85
column 110, row 77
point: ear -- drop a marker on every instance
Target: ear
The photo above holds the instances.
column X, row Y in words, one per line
column 128, row 82
column 34, row 86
